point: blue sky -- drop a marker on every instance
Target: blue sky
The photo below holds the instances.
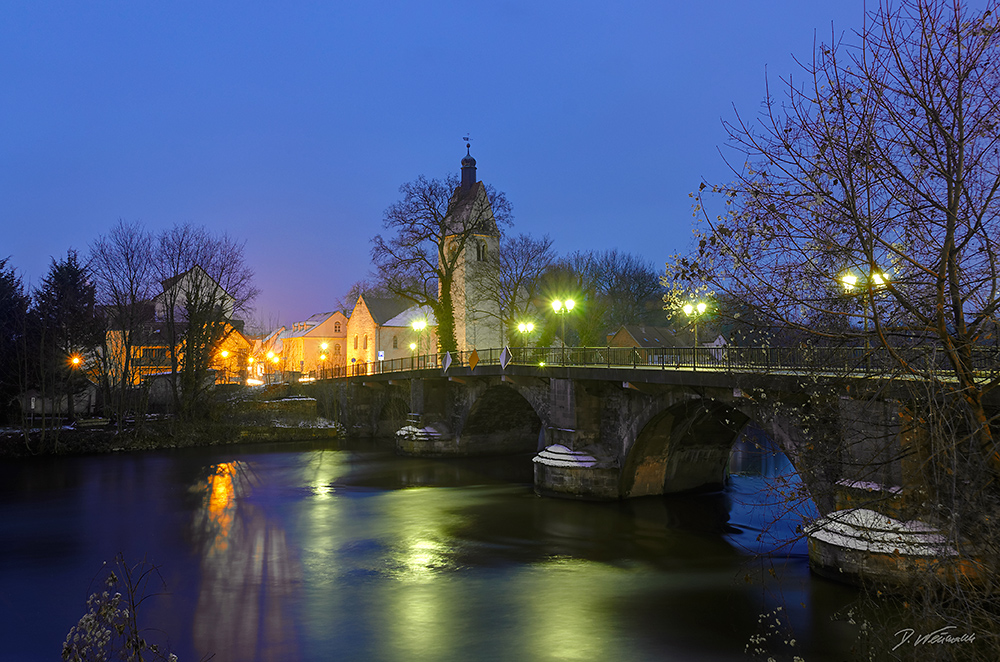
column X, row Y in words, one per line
column 291, row 125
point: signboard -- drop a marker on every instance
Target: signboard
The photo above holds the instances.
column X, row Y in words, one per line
column 446, row 362
column 381, row 355
column 505, row 357
column 473, row 360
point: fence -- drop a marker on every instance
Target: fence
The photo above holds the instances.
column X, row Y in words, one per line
column 855, row 361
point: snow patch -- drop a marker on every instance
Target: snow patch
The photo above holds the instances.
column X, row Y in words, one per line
column 871, row 487
column 867, row 530
column 558, row 455
column 418, row 434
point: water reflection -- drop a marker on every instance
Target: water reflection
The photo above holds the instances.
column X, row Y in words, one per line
column 248, row 573
column 315, row 552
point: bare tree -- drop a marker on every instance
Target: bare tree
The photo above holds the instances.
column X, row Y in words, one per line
column 611, row 289
column 510, row 278
column 864, row 212
column 206, row 284
column 122, row 265
column 431, row 226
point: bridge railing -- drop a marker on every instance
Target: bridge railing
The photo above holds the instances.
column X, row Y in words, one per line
column 835, row 360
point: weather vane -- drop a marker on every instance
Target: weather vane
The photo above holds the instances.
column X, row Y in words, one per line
column 468, row 141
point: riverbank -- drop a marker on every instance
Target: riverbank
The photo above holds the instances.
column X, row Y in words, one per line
column 159, row 434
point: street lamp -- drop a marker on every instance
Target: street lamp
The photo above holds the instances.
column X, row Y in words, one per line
column 75, row 361
column 561, row 308
column 694, row 311
column 322, row 357
column 877, row 280
column 525, row 328
column 225, row 365
column 418, row 327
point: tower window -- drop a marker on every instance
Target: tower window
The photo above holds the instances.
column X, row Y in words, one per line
column 336, row 327
column 395, row 342
column 336, row 350
column 355, row 341
column 480, row 251
column 366, row 341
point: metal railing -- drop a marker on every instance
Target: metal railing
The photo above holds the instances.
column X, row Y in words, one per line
column 829, row 360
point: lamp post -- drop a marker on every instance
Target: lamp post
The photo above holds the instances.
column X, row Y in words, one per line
column 525, row 328
column 561, row 308
column 418, row 327
column 322, row 357
column 694, row 311
column 876, row 280
column 224, row 354
column 75, row 361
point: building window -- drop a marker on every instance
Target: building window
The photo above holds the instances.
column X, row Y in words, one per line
column 336, row 350
column 336, row 327
column 480, row 251
column 366, row 341
column 355, row 341
column 395, row 342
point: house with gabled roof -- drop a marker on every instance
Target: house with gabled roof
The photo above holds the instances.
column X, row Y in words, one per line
column 381, row 329
column 316, row 347
column 152, row 348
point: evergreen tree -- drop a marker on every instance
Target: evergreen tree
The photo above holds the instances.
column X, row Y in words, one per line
column 69, row 327
column 13, row 316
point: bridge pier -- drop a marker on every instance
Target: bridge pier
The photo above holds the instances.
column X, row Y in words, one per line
column 469, row 416
column 572, row 463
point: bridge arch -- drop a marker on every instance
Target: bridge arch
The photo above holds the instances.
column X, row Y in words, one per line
column 685, row 446
column 501, row 420
column 392, row 414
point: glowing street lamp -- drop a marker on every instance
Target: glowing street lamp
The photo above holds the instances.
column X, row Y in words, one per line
column 694, row 311
column 562, row 308
column 525, row 328
column 419, row 326
column 877, row 280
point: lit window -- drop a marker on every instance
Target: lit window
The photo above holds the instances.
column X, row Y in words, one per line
column 336, row 327
column 366, row 341
column 355, row 341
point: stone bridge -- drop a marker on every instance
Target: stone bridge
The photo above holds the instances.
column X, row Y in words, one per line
column 611, row 432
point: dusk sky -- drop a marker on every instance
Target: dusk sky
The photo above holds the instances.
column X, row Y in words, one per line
column 291, row 125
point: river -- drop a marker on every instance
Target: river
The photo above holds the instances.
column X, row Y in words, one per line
column 345, row 551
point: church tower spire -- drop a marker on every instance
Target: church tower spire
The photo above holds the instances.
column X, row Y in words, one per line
column 468, row 169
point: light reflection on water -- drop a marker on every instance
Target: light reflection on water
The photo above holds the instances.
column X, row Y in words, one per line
column 317, row 552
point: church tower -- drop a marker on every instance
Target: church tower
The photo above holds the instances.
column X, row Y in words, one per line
column 471, row 240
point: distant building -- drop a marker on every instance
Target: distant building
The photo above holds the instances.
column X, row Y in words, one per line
column 316, row 347
column 382, row 329
column 646, row 337
column 151, row 345
column 654, row 339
